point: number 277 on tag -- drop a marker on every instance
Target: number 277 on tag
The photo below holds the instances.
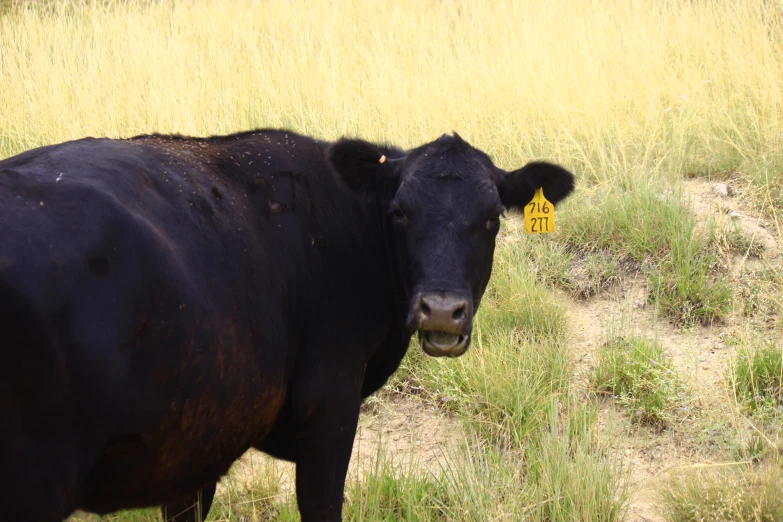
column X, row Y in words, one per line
column 539, row 215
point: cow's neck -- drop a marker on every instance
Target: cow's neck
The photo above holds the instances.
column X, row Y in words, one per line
column 387, row 358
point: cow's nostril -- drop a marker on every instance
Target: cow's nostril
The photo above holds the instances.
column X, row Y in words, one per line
column 442, row 313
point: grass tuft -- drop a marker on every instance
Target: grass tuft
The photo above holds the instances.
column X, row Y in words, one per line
column 730, row 238
column 756, row 377
column 689, row 290
column 572, row 480
column 638, row 375
column 737, row 494
column 391, row 494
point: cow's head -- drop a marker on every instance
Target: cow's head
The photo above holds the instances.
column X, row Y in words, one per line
column 443, row 202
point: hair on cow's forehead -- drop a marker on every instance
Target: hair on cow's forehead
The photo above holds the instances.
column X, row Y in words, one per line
column 449, row 157
column 471, row 197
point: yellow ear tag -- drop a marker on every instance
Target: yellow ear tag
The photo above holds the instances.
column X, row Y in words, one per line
column 539, row 214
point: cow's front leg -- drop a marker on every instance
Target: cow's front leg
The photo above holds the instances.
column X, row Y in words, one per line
column 326, row 426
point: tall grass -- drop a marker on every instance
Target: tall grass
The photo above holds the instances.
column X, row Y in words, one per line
column 609, row 88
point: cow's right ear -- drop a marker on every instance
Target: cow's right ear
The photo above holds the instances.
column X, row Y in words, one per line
column 517, row 188
column 360, row 164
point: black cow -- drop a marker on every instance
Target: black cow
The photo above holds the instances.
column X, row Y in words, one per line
column 168, row 302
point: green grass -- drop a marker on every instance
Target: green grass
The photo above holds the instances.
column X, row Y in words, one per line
column 756, row 376
column 760, row 294
column 756, row 448
column 583, row 274
column 531, row 439
column 689, row 285
column 638, row 375
column 391, row 493
column 556, row 475
column 574, row 478
column 639, row 226
column 637, row 218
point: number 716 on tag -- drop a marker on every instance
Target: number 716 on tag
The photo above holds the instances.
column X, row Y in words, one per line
column 539, row 214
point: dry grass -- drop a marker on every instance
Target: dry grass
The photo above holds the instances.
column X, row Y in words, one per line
column 610, row 88
column 724, row 494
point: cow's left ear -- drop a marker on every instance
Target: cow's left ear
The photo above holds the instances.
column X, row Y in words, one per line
column 518, row 187
column 360, row 164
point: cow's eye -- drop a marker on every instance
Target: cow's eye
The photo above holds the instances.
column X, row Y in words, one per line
column 493, row 222
column 399, row 215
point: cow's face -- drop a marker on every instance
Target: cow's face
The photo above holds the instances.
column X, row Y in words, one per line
column 443, row 203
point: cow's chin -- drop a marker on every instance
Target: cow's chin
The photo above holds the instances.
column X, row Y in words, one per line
column 442, row 344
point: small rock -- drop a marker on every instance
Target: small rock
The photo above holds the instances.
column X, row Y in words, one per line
column 735, row 215
column 720, row 190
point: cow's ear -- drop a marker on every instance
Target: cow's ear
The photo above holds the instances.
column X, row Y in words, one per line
column 360, row 164
column 517, row 188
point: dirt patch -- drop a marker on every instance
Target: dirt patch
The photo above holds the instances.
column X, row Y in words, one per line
column 707, row 205
column 403, row 431
column 407, row 432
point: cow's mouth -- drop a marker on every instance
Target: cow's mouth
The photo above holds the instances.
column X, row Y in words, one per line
column 442, row 344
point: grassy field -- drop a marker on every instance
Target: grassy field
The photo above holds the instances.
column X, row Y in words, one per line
column 627, row 367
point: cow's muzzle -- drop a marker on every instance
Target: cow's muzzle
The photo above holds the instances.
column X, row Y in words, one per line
column 444, row 322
